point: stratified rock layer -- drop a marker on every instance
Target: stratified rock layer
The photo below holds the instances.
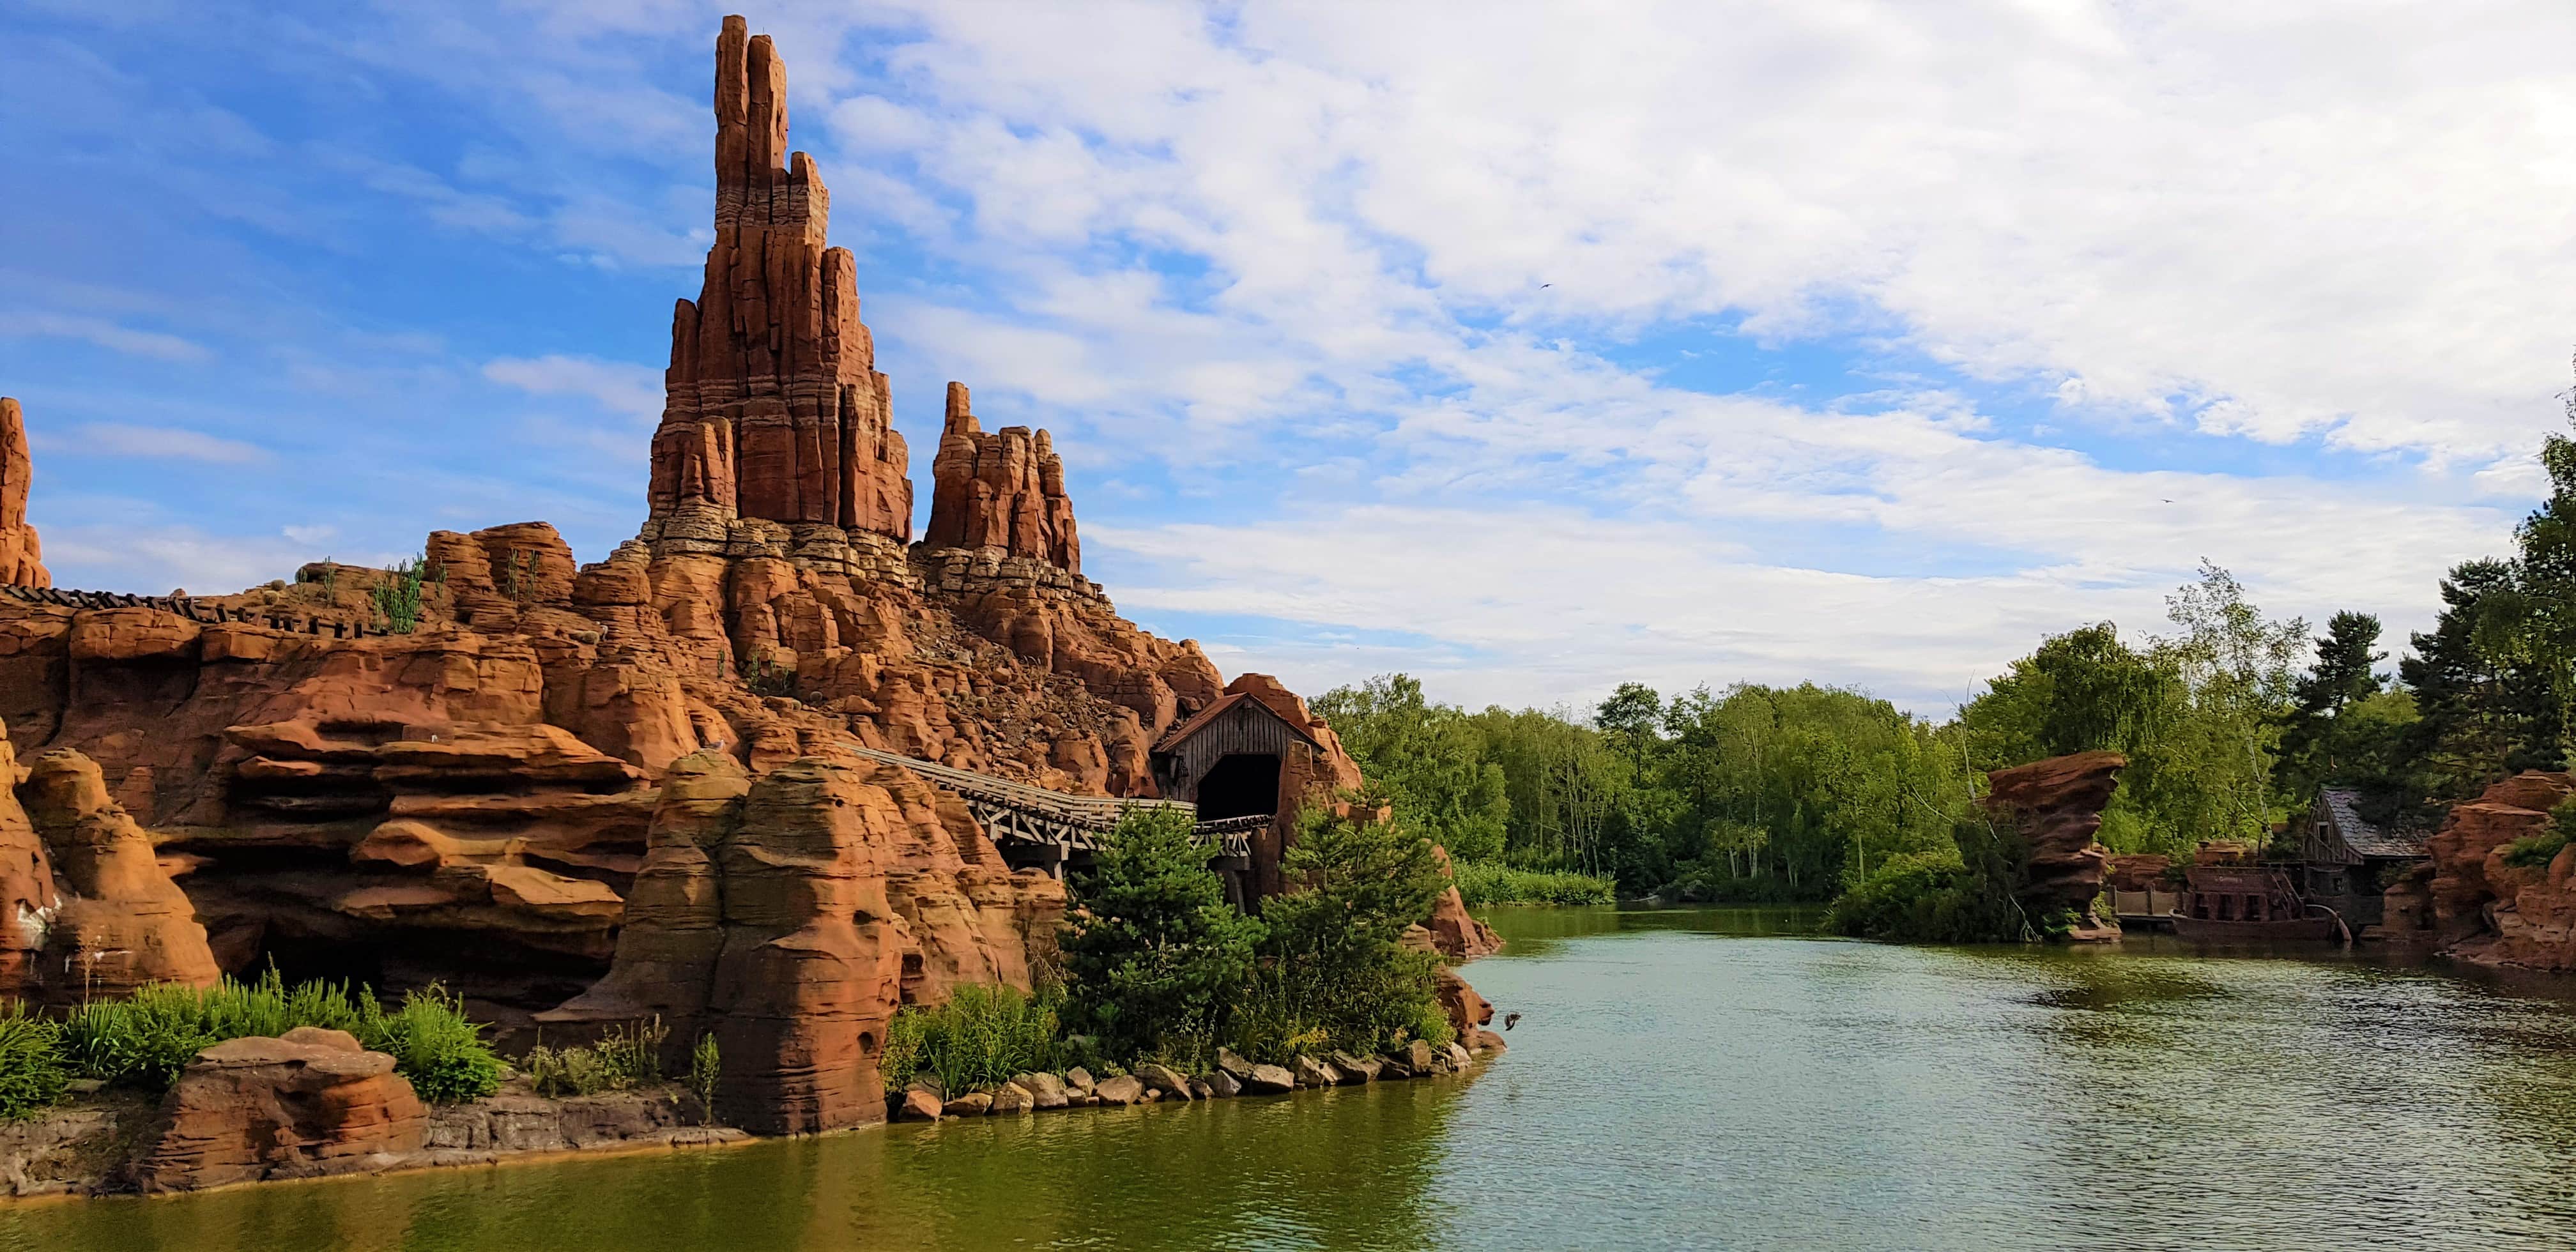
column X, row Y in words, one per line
column 774, row 409
column 304, row 1105
column 2055, row 807
column 1004, row 491
column 2478, row 906
column 121, row 922
column 22, row 559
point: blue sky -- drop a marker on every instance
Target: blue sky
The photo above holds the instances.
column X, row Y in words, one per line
column 1528, row 352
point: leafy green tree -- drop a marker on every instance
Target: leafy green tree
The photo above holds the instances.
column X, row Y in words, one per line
column 1428, row 760
column 1333, row 961
column 1152, row 951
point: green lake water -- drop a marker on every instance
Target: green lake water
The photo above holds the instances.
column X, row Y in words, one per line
column 1694, row 1078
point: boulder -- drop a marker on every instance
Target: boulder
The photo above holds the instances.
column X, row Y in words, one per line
column 1357, row 1069
column 1488, row 1041
column 971, row 1104
column 303, row 1105
column 1227, row 1061
column 1011, row 1097
column 1164, row 1080
column 1078, row 1079
column 1418, row 1057
column 1466, row 1010
column 1458, row 1057
column 1314, row 1073
column 1270, row 1080
column 1455, row 932
column 1391, row 1065
column 1045, row 1089
column 1224, row 1086
column 1124, row 1089
column 918, row 1105
column 1200, row 1090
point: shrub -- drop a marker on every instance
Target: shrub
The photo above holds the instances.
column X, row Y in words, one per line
column 979, row 1038
column 766, row 677
column 1492, row 882
column 706, row 1066
column 1333, row 963
column 433, row 1044
column 2534, row 851
column 1924, row 897
column 146, row 1040
column 397, row 595
column 32, row 1071
column 626, row 1056
column 1152, row 952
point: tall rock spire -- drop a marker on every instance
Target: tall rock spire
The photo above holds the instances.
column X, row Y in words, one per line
column 21, row 557
column 773, row 408
column 1003, row 490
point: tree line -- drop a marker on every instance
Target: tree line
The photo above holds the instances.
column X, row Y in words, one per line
column 2231, row 720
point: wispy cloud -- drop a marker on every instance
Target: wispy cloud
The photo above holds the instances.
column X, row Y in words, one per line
column 617, row 386
column 118, row 440
column 103, row 333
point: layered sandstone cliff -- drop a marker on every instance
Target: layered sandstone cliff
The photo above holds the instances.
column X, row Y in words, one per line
column 2054, row 808
column 2473, row 902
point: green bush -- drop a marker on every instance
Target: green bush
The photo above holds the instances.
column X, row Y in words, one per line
column 397, row 594
column 32, row 1071
column 1332, row 960
column 978, row 1039
column 2535, row 851
column 1924, row 897
column 1152, row 952
column 144, row 1041
column 1492, row 882
column 706, row 1067
column 434, row 1045
column 626, row 1056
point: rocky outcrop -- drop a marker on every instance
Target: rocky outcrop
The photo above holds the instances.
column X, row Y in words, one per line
column 120, row 922
column 1003, row 490
column 306, row 1104
column 2053, row 808
column 1455, row 932
column 22, row 558
column 792, row 914
column 774, row 410
column 2477, row 905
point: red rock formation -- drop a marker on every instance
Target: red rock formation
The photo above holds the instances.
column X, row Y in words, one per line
column 28, row 901
column 21, row 557
column 2477, row 906
column 2055, row 806
column 1455, row 931
column 121, row 921
column 303, row 1105
column 792, row 914
column 774, row 407
column 1004, row 490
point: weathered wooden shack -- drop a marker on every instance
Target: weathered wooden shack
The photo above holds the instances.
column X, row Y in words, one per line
column 2346, row 862
column 1237, row 760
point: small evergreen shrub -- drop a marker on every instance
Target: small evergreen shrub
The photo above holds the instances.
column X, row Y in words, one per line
column 2535, row 851
column 32, row 1071
column 397, row 595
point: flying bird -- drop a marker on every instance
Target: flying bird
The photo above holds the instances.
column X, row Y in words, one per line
column 1511, row 1020
column 1547, row 284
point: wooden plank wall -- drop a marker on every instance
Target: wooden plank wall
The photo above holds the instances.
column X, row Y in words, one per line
column 1246, row 729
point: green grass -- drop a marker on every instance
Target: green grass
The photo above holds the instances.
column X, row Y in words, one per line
column 981, row 1037
column 1491, row 882
column 32, row 1072
column 146, row 1040
column 626, row 1057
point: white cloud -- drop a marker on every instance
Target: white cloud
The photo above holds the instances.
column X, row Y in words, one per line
column 617, row 386
column 119, row 439
column 104, row 333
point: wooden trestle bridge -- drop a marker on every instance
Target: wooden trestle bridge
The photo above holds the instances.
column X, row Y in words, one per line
column 1037, row 826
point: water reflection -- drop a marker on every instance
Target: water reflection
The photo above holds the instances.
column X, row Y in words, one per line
column 1681, row 1078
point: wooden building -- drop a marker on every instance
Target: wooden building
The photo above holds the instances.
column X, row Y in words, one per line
column 2347, row 862
column 1239, row 760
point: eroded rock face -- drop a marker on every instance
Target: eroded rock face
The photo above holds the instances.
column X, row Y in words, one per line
column 774, row 408
column 120, row 922
column 2477, row 906
column 22, row 558
column 1002, row 490
column 309, row 1103
column 2055, row 806
column 1455, row 932
column 791, row 914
